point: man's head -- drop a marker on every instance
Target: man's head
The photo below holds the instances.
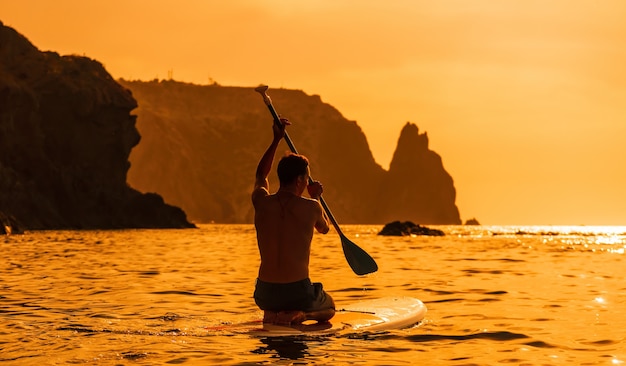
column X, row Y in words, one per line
column 293, row 169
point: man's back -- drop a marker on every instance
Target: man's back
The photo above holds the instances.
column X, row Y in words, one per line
column 284, row 224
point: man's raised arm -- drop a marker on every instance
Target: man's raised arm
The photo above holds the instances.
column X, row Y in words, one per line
column 265, row 164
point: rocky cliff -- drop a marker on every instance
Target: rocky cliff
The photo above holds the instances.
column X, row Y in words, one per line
column 66, row 133
column 201, row 144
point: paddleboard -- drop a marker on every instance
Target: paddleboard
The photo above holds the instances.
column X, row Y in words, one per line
column 386, row 313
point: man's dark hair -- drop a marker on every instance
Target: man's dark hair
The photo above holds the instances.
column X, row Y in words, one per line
column 290, row 167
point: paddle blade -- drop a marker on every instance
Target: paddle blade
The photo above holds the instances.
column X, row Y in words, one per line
column 358, row 259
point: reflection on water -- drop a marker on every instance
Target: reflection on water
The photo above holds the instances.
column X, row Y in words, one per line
column 513, row 295
column 283, row 347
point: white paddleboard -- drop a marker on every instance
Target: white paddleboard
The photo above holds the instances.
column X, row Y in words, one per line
column 386, row 313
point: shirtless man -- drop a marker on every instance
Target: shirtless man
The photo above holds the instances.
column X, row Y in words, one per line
column 284, row 224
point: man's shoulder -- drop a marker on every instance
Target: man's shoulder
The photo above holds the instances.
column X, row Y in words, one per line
column 307, row 200
column 259, row 193
column 311, row 203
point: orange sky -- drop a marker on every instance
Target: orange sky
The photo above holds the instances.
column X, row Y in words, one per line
column 524, row 100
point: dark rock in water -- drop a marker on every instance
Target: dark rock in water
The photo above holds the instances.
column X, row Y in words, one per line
column 406, row 228
column 472, row 221
column 66, row 133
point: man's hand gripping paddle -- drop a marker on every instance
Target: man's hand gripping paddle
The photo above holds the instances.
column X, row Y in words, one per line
column 358, row 259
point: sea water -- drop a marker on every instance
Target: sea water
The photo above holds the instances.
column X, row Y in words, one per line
column 495, row 295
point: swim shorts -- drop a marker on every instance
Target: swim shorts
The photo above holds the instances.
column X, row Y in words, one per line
column 301, row 295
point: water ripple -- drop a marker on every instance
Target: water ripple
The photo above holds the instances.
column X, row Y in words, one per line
column 494, row 336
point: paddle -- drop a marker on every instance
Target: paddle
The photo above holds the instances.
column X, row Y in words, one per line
column 358, row 259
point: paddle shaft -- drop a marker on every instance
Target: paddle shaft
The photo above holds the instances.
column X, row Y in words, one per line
column 358, row 259
column 292, row 147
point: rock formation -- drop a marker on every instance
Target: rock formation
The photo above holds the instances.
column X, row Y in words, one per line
column 417, row 187
column 201, row 145
column 66, row 133
column 408, row 228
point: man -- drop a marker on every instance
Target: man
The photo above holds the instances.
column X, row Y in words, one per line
column 284, row 223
